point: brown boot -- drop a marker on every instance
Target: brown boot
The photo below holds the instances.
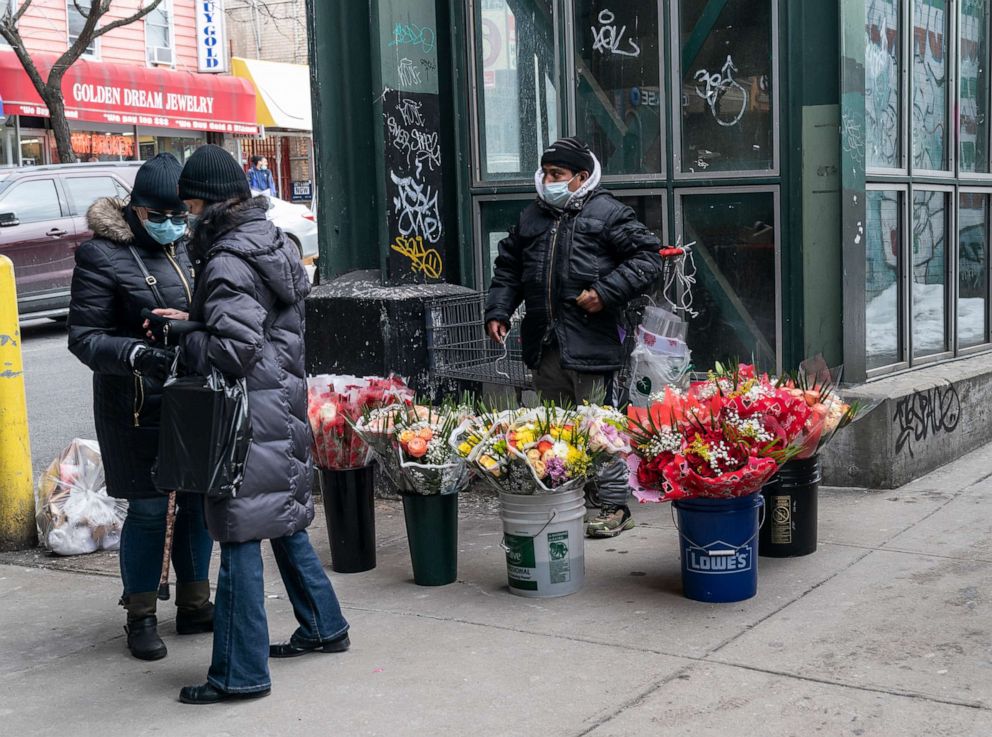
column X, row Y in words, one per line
column 194, row 612
column 142, row 626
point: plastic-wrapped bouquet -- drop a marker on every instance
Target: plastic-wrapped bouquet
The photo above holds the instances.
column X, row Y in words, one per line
column 414, row 444
column 481, row 441
column 543, row 450
column 724, row 437
column 817, row 385
column 335, row 403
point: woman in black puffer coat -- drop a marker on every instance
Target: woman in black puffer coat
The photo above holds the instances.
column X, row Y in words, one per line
column 249, row 294
column 109, row 291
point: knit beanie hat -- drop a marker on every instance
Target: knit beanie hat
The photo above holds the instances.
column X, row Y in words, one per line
column 212, row 174
column 569, row 153
column 155, row 184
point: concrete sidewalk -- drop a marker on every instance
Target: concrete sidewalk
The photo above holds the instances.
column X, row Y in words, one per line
column 884, row 632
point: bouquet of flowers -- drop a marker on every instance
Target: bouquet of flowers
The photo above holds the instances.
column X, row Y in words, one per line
column 817, row 386
column 481, row 441
column 335, row 403
column 724, row 437
column 414, row 444
column 542, row 450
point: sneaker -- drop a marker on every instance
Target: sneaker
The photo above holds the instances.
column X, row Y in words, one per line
column 610, row 522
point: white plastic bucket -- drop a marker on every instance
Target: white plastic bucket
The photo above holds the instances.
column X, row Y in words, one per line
column 544, row 542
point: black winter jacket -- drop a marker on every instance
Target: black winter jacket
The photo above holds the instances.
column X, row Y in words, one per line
column 246, row 269
column 108, row 294
column 551, row 256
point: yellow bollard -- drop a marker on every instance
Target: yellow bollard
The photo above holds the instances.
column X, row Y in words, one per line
column 17, row 529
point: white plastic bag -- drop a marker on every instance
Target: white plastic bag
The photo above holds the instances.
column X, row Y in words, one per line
column 74, row 514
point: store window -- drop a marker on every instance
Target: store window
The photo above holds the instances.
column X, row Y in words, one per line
column 725, row 55
column 973, row 269
column 32, row 201
column 77, row 12
column 927, row 227
column 929, row 272
column 931, row 64
column 974, row 83
column 496, row 217
column 619, row 93
column 516, row 62
column 158, row 35
column 883, row 285
column 883, row 102
column 736, row 255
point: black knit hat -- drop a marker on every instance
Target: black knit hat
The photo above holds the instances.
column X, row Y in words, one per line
column 571, row 154
column 212, row 174
column 155, row 184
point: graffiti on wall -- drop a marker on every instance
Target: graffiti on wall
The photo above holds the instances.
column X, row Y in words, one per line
column 923, row 415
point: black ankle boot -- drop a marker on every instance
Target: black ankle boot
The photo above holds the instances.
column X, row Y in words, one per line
column 142, row 638
column 194, row 612
column 196, row 621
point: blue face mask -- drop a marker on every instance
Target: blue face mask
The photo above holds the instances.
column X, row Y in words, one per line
column 557, row 194
column 166, row 232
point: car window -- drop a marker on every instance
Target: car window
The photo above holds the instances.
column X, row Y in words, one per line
column 84, row 191
column 32, row 201
column 122, row 191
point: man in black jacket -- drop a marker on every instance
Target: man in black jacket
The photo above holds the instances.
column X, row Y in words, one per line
column 575, row 259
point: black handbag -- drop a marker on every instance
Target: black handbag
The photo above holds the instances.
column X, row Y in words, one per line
column 205, row 435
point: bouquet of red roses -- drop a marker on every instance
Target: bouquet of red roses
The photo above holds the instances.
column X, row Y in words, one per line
column 335, row 403
column 724, row 437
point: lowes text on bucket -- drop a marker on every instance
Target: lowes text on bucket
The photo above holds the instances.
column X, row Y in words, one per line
column 726, row 559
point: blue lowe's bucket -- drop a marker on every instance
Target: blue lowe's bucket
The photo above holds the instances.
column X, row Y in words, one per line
column 719, row 547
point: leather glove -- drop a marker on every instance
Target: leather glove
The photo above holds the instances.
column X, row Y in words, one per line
column 155, row 363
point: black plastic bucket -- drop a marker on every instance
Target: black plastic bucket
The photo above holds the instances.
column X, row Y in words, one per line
column 350, row 513
column 790, row 523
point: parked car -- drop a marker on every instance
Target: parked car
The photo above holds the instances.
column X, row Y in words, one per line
column 43, row 218
column 299, row 223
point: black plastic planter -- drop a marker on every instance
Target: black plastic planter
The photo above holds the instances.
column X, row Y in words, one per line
column 432, row 531
column 350, row 513
column 790, row 523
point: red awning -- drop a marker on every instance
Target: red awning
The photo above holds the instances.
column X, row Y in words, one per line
column 99, row 92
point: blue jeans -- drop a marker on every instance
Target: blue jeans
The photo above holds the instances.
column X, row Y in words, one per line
column 143, row 539
column 241, row 632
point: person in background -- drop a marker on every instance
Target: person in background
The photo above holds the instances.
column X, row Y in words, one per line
column 250, row 294
column 576, row 257
column 109, row 291
column 260, row 178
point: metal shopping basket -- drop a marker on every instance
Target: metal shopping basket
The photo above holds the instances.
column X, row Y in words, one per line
column 458, row 347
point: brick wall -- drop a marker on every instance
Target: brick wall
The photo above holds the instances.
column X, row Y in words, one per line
column 273, row 30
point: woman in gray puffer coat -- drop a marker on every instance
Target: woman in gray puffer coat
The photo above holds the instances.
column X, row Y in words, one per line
column 249, row 293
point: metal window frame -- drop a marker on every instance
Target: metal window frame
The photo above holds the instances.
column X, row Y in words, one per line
column 478, row 269
column 681, row 192
column 950, row 275
column 903, row 327
column 905, row 111
column 571, row 85
column 985, row 345
column 675, row 54
column 970, row 176
column 476, row 102
column 661, row 192
column 952, row 96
